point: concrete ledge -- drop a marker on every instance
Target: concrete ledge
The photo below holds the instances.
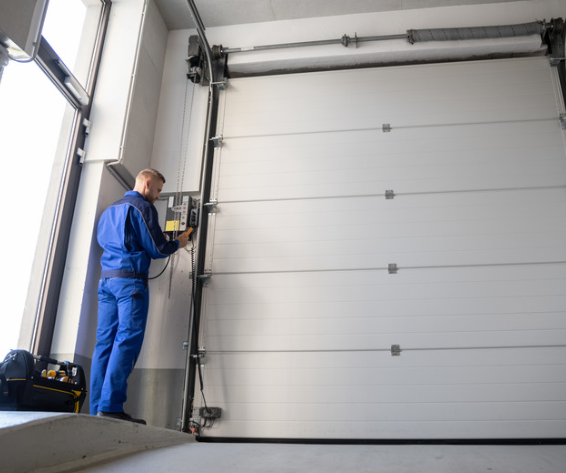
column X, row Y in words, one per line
column 47, row 442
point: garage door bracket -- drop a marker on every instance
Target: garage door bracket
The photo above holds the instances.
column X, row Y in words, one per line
column 392, row 268
column 204, row 278
column 212, row 206
column 389, row 194
column 396, row 350
column 217, row 141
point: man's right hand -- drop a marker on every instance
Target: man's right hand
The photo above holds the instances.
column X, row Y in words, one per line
column 183, row 238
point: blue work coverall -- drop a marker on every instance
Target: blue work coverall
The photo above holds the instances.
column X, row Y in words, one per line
column 130, row 235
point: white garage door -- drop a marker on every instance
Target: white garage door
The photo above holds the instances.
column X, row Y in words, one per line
column 311, row 333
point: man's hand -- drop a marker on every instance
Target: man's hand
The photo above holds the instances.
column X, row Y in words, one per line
column 183, row 238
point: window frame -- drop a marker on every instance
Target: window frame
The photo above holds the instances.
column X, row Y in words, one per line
column 59, row 235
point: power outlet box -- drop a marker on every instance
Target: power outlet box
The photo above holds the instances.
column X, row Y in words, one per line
column 210, row 412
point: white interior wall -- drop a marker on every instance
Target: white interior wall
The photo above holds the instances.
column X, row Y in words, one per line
column 120, row 116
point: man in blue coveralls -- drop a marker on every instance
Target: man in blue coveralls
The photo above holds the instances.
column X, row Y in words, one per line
column 130, row 235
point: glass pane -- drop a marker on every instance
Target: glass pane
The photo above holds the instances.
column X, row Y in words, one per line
column 30, row 130
column 70, row 28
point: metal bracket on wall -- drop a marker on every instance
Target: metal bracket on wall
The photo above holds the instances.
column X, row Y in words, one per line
column 392, row 268
column 396, row 350
column 562, row 119
column 389, row 194
column 386, row 128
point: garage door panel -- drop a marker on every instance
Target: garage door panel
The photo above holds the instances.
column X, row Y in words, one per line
column 419, row 387
column 457, row 393
column 491, row 287
column 374, row 180
column 400, row 79
column 459, row 326
column 403, row 310
column 300, row 312
column 448, row 412
column 381, row 90
column 369, row 310
column 403, row 217
column 309, row 249
column 390, row 430
column 492, row 228
column 352, row 286
column 363, row 104
column 384, row 379
column 419, row 114
column 448, row 144
column 394, row 155
column 402, row 163
column 368, row 341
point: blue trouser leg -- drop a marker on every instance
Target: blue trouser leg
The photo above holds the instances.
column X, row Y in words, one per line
column 122, row 316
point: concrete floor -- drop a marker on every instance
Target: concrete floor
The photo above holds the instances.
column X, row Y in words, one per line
column 264, row 458
column 57, row 443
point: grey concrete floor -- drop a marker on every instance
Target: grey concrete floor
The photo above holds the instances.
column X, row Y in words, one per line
column 57, row 443
column 284, row 458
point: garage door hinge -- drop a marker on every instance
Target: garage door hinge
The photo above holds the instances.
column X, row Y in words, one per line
column 204, row 278
column 386, row 128
column 217, row 141
column 86, row 124
column 396, row 350
column 389, row 194
column 223, row 85
column 81, row 154
column 212, row 206
column 563, row 120
column 392, row 268
column 201, row 353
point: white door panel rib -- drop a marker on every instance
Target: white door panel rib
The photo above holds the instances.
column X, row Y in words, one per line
column 471, row 157
column 302, row 309
column 462, row 394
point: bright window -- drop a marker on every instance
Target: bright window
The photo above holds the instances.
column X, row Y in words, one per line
column 30, row 126
column 36, row 127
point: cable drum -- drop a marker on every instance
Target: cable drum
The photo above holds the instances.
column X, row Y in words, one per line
column 476, row 32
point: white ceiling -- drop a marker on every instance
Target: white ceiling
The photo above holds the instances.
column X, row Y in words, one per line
column 236, row 12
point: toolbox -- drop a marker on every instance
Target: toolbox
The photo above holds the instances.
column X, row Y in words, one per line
column 23, row 387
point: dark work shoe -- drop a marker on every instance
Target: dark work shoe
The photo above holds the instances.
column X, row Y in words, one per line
column 120, row 416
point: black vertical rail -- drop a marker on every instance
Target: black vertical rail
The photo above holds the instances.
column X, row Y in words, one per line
column 556, row 38
column 215, row 71
column 194, row 322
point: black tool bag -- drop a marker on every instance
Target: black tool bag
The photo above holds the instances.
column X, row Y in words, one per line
column 24, row 388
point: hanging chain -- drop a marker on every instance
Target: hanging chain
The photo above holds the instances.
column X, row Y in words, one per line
column 181, row 173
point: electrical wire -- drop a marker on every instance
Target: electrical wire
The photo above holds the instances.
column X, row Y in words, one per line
column 162, row 271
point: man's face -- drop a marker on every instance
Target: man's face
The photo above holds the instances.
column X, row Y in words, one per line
column 153, row 189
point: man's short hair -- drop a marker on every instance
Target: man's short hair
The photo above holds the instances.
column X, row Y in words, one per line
column 150, row 174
